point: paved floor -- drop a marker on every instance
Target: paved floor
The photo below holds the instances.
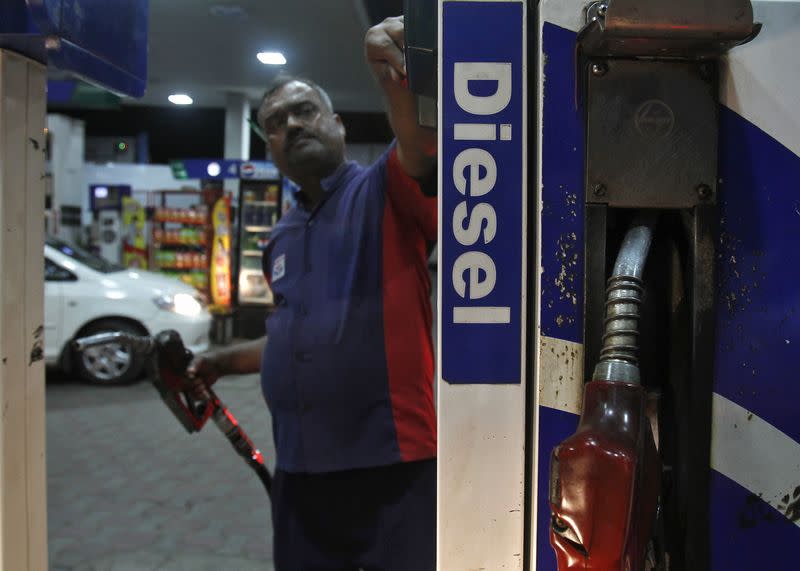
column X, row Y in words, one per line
column 130, row 490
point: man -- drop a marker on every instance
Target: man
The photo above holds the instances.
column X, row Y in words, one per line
column 347, row 363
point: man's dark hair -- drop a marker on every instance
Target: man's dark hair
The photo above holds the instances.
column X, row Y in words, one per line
column 282, row 81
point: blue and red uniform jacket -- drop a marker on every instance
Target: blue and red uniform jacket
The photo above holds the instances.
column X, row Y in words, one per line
column 347, row 371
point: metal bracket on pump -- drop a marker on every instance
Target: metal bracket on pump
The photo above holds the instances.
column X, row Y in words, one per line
column 683, row 29
column 649, row 74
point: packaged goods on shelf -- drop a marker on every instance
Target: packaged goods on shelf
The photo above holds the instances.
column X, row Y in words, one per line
column 180, row 245
column 195, row 215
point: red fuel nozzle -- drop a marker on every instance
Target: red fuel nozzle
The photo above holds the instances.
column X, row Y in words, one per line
column 604, row 482
column 605, row 478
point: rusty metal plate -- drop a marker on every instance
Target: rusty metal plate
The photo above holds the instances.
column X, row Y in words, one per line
column 677, row 29
column 651, row 133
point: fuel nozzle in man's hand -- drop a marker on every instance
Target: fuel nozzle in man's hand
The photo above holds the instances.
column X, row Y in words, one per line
column 172, row 353
column 187, row 398
column 173, row 371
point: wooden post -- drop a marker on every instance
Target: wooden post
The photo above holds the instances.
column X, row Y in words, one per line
column 23, row 503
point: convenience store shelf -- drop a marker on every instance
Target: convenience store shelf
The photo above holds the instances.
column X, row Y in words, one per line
column 179, row 245
column 261, row 202
column 258, row 228
column 252, row 252
column 255, row 300
column 184, row 222
column 181, row 236
column 182, row 268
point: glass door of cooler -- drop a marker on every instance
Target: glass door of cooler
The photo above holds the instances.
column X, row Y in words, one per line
column 259, row 209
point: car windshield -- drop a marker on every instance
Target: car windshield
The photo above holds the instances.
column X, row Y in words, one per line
column 86, row 258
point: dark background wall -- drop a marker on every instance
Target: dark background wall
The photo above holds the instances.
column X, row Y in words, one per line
column 186, row 132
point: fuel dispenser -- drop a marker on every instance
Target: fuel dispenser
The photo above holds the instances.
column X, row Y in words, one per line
column 618, row 240
column 106, row 204
column 647, row 80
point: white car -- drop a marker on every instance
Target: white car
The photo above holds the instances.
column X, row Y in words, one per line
column 86, row 294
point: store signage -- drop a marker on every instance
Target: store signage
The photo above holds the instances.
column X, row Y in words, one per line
column 104, row 42
column 179, row 170
column 216, row 169
column 482, row 193
column 221, row 254
column 259, row 170
column 134, row 245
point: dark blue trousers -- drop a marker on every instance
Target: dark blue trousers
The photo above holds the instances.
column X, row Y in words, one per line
column 375, row 519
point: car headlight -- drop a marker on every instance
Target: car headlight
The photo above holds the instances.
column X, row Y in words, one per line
column 180, row 303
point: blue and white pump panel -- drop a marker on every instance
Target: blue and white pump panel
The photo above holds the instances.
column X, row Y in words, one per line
column 755, row 454
column 101, row 41
column 755, row 448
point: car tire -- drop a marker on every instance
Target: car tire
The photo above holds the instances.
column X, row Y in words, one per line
column 109, row 365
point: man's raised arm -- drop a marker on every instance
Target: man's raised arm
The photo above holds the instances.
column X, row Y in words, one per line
column 416, row 146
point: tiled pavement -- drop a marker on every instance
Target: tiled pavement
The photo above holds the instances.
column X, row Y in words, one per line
column 130, row 490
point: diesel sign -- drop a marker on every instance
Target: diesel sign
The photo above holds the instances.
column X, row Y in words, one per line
column 482, row 197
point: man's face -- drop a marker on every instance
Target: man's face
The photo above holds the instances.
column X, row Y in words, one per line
column 304, row 136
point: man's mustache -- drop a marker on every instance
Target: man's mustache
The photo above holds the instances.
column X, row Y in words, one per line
column 295, row 136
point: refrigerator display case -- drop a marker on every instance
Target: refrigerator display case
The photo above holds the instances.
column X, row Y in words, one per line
column 258, row 212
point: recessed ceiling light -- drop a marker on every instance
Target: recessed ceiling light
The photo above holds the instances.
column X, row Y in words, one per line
column 271, row 58
column 180, row 99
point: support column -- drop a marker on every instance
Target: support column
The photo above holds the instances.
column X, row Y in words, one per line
column 67, row 149
column 237, row 133
column 23, row 488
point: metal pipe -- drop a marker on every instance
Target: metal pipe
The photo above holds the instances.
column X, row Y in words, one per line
column 138, row 344
column 619, row 357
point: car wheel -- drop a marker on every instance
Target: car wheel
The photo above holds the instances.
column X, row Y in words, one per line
column 111, row 364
